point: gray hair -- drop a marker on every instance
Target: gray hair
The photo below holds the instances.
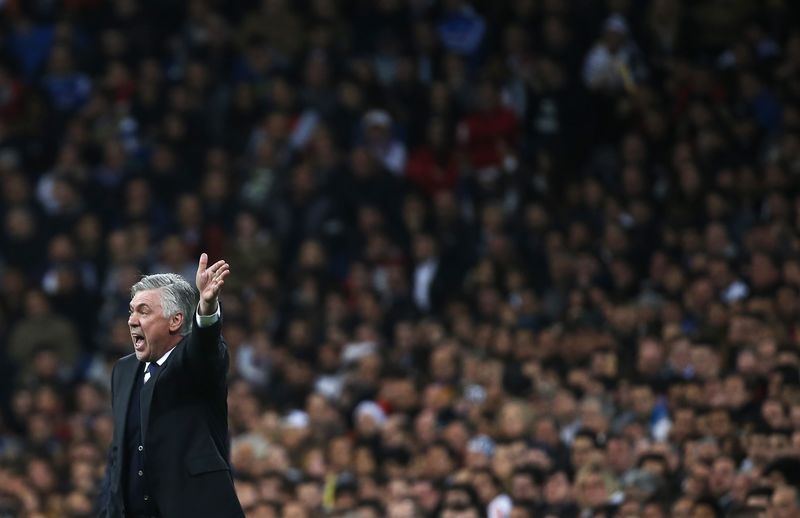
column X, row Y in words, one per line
column 177, row 296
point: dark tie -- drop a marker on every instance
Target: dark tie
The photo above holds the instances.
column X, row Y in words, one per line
column 152, row 369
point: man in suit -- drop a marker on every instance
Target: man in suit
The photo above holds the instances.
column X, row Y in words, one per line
column 169, row 455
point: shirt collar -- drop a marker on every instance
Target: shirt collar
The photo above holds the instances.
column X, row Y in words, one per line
column 161, row 360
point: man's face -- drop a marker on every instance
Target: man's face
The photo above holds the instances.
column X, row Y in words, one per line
column 367, row 512
column 424, row 493
column 310, row 493
column 294, row 510
column 402, row 509
column 784, row 503
column 582, row 449
column 643, row 401
column 485, row 487
column 722, row 475
column 523, row 487
column 653, row 511
column 593, row 490
column 557, row 490
column 152, row 333
column 618, row 453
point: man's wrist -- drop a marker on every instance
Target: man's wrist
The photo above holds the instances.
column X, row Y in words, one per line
column 207, row 308
column 208, row 320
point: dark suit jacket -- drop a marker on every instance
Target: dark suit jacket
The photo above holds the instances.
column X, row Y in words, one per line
column 184, row 426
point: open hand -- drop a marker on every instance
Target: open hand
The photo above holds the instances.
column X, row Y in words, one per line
column 209, row 281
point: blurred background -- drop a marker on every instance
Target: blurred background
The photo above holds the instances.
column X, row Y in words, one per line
column 516, row 258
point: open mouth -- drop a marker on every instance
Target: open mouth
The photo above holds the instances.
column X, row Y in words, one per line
column 138, row 341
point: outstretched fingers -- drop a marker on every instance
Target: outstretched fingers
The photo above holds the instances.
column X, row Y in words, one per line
column 211, row 278
column 221, row 273
column 220, row 277
column 216, row 276
column 217, row 266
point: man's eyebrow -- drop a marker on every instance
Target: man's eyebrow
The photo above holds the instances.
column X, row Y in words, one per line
column 139, row 306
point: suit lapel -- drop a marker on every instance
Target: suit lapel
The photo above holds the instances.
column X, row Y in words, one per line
column 128, row 368
column 147, row 394
column 147, row 398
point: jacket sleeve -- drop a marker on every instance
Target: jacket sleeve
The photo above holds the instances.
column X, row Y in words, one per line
column 207, row 353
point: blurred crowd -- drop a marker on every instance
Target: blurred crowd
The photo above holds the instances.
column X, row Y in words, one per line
column 515, row 259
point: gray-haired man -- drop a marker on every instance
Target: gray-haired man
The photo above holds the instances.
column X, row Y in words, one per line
column 169, row 455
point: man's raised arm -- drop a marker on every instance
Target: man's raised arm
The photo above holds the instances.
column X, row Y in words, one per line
column 206, row 352
column 209, row 281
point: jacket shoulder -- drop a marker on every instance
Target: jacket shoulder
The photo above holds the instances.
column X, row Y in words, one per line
column 127, row 359
column 126, row 362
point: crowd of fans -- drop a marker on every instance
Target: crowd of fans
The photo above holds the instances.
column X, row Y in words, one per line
column 529, row 258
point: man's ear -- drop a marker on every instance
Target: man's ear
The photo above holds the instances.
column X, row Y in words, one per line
column 175, row 322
